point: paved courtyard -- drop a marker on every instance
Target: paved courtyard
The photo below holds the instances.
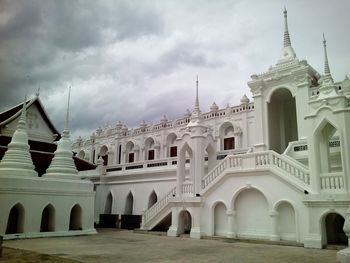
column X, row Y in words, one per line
column 126, row 246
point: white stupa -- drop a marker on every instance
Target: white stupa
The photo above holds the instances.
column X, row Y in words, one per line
column 17, row 160
column 62, row 164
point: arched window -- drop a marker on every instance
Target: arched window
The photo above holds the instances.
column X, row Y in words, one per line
column 129, row 152
column 227, row 136
column 149, row 149
column 103, row 154
column 129, row 204
column 152, row 199
column 172, row 148
column 109, row 203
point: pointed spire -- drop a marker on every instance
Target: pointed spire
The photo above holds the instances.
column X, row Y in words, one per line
column 288, row 53
column 17, row 160
column 62, row 164
column 196, row 104
column 286, row 39
column 326, row 65
column 66, row 124
column 196, row 115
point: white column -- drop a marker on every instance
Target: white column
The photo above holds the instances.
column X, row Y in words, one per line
column 180, row 173
column 196, row 222
column 172, row 232
column 260, row 112
column 274, row 236
column 231, row 223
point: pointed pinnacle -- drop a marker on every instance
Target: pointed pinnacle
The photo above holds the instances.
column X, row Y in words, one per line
column 22, row 123
column 286, row 39
column 196, row 105
column 66, row 124
column 326, row 65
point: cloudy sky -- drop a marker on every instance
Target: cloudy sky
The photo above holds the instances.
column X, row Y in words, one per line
column 138, row 60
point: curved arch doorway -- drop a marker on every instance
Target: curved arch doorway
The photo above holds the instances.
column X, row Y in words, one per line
column 332, row 231
column 282, row 120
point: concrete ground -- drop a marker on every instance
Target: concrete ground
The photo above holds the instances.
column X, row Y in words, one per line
column 126, row 246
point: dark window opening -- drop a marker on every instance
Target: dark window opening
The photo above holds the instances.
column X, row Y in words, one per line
column 173, row 151
column 131, row 157
column 229, row 143
column 151, row 155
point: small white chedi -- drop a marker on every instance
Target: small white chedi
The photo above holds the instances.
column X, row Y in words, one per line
column 56, row 204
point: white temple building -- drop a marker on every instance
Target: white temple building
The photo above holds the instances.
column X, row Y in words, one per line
column 275, row 168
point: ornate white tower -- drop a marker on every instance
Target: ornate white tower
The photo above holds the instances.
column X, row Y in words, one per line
column 195, row 141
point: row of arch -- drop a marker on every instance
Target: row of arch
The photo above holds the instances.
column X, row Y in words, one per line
column 252, row 215
column 151, row 147
column 16, row 219
column 129, row 202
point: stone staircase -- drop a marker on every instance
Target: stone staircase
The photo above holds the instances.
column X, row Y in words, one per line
column 150, row 216
column 287, row 168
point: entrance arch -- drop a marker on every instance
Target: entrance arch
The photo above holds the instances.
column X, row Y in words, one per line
column 220, row 219
column 185, row 222
column 252, row 214
column 332, row 230
column 15, row 220
column 282, row 120
column 75, row 218
column 48, row 219
column 286, row 221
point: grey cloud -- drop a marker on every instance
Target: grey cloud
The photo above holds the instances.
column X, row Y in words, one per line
column 131, row 60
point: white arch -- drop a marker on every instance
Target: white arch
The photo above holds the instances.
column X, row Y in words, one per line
column 214, row 226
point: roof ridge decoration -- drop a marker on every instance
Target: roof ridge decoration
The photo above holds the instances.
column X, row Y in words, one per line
column 17, row 160
column 62, row 164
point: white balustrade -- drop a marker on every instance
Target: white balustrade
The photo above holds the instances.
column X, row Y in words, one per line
column 332, row 181
column 187, row 188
